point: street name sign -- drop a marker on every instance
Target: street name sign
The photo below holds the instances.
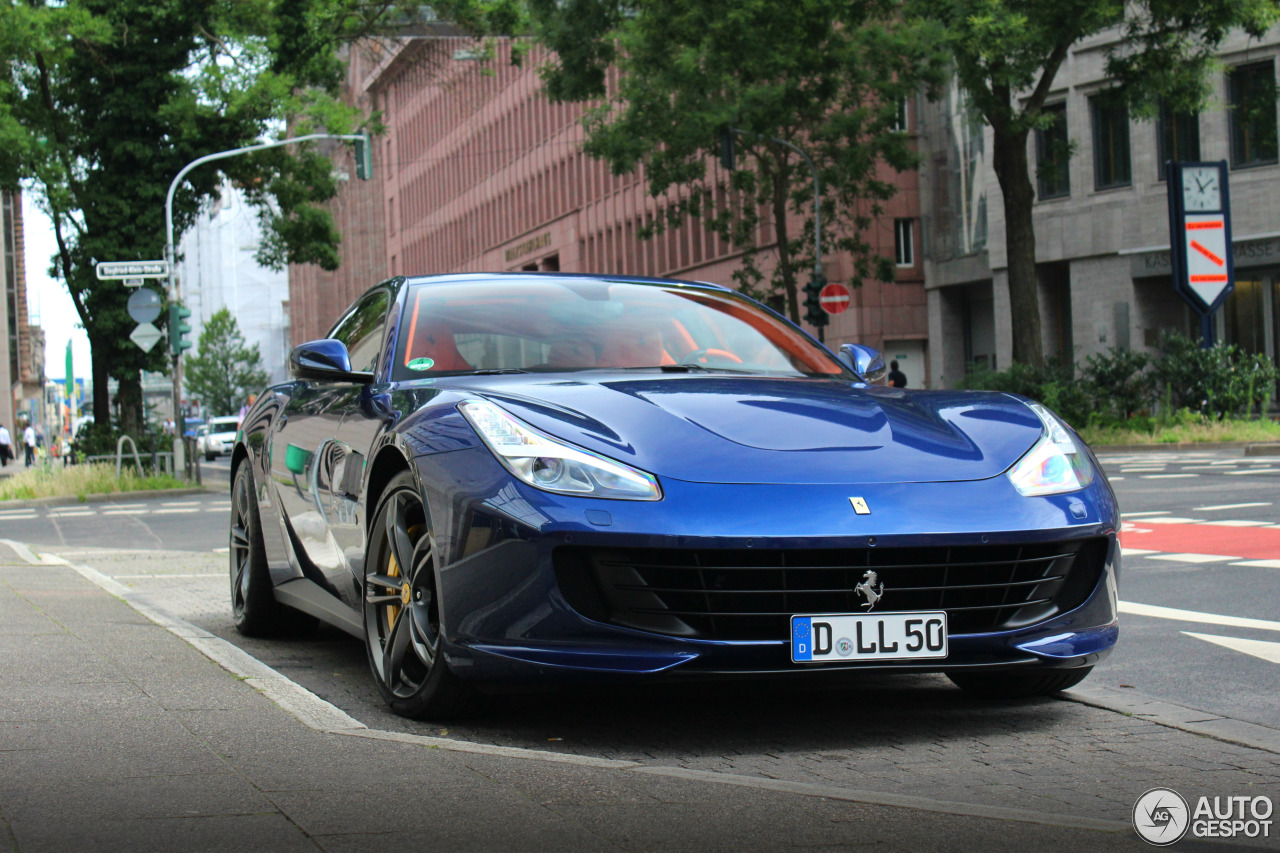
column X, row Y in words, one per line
column 144, row 305
column 145, row 336
column 132, row 269
column 834, row 298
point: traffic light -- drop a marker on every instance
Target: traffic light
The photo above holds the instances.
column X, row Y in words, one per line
column 178, row 329
column 728, row 151
column 364, row 156
column 814, row 314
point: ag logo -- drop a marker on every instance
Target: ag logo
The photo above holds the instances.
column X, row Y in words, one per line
column 1161, row 816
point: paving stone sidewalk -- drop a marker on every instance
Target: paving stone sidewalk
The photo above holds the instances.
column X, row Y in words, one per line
column 115, row 734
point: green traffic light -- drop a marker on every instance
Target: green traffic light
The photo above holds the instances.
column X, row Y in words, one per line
column 178, row 329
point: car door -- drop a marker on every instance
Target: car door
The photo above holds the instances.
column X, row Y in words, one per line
column 307, row 451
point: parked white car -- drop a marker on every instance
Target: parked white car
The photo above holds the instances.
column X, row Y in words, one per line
column 217, row 437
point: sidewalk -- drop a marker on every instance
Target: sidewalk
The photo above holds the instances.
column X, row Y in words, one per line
column 116, row 733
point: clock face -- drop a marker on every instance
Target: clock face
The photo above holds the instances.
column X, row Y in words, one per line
column 1201, row 188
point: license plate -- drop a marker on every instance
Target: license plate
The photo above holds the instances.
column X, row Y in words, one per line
column 869, row 636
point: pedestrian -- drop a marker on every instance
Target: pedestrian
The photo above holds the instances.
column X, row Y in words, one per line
column 6, row 446
column 244, row 410
column 29, row 444
column 897, row 379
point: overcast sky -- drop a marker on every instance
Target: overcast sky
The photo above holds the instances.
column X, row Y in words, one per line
column 48, row 302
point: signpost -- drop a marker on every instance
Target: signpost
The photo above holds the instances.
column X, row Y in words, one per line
column 144, row 306
column 835, row 298
column 1200, row 238
column 145, row 336
column 132, row 270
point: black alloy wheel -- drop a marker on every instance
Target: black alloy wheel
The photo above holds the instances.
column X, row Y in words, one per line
column 253, row 606
column 402, row 610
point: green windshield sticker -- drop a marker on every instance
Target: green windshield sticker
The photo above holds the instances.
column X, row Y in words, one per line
column 421, row 364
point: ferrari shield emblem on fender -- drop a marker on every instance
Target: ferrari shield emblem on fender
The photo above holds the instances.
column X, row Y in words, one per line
column 860, row 506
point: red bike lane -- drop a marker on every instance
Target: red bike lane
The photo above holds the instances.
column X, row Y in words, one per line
column 1248, row 543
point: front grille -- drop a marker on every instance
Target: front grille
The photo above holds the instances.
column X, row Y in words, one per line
column 751, row 594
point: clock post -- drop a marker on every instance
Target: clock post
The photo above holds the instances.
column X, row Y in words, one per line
column 1200, row 238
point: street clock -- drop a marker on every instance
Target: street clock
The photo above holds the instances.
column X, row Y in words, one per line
column 1200, row 236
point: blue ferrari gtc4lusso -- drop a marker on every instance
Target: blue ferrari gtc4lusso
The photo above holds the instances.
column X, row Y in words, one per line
column 503, row 478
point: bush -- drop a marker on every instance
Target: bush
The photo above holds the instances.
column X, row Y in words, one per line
column 94, row 439
column 1216, row 382
column 1054, row 385
column 1118, row 384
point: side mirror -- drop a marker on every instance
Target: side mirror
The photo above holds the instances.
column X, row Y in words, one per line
column 865, row 361
column 325, row 359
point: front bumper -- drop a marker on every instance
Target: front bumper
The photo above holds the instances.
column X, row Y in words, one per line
column 506, row 618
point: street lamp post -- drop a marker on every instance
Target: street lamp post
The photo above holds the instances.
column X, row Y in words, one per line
column 175, row 290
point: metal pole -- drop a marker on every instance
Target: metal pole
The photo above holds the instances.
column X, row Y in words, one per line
column 175, row 291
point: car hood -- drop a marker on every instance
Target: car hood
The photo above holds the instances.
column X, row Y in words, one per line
column 749, row 429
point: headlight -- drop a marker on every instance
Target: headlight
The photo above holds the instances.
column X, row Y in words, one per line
column 1055, row 465
column 550, row 464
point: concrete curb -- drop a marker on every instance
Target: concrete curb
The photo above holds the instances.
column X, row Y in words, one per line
column 72, row 500
column 1179, row 717
column 1180, row 445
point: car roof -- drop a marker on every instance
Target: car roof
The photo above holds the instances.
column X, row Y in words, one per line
column 507, row 277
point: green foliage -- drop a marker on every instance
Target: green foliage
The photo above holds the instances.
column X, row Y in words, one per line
column 105, row 102
column 82, row 480
column 1185, row 386
column 224, row 372
column 1052, row 384
column 1217, row 382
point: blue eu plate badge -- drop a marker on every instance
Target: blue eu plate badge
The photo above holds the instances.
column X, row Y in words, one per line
column 801, row 638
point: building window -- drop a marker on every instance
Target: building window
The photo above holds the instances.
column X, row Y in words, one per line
column 903, row 242
column 1053, row 177
column 1252, row 93
column 1110, row 142
column 1177, row 138
column 901, row 120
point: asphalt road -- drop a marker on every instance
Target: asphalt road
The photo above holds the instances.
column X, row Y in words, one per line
column 1228, row 670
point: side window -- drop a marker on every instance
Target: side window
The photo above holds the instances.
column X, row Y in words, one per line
column 361, row 329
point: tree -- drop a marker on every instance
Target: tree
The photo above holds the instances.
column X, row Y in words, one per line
column 106, row 100
column 826, row 76
column 224, row 372
column 1007, row 54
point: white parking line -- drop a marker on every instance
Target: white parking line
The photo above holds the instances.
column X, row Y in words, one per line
column 1169, row 519
column 1136, row 609
column 180, row 503
column 1166, row 476
column 1255, row 471
column 173, row 511
column 1230, row 506
column 1235, row 523
column 167, row 576
column 1145, row 514
column 1192, row 558
column 1259, row 564
column 26, row 516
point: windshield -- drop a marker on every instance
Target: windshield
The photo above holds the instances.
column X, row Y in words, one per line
column 549, row 325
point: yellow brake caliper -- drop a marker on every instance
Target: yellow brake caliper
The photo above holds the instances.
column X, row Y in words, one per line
column 393, row 570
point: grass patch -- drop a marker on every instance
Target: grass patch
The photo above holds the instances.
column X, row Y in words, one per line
column 1183, row 432
column 81, row 481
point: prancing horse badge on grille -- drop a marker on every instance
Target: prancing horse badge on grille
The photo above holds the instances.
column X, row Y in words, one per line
column 860, row 506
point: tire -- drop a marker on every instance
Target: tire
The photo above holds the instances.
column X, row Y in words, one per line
column 1018, row 685
column 209, row 457
column 402, row 611
column 253, row 605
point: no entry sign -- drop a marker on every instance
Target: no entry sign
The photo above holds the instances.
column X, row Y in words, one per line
column 834, row 298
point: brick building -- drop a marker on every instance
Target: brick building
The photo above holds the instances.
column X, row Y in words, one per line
column 478, row 171
column 22, row 352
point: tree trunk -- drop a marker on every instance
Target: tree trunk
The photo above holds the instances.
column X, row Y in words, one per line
column 101, row 393
column 781, row 191
column 1012, row 170
column 129, row 396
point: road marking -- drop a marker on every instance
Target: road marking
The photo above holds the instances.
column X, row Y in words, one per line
column 1169, row 519
column 1192, row 558
column 126, row 512
column 1258, row 648
column 1135, row 552
column 1139, row 470
column 1229, row 506
column 173, row 511
column 24, row 517
column 1135, row 609
column 1144, row 514
column 1236, row 523
column 180, row 503
column 1167, row 476
column 1254, row 471
column 1259, row 564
